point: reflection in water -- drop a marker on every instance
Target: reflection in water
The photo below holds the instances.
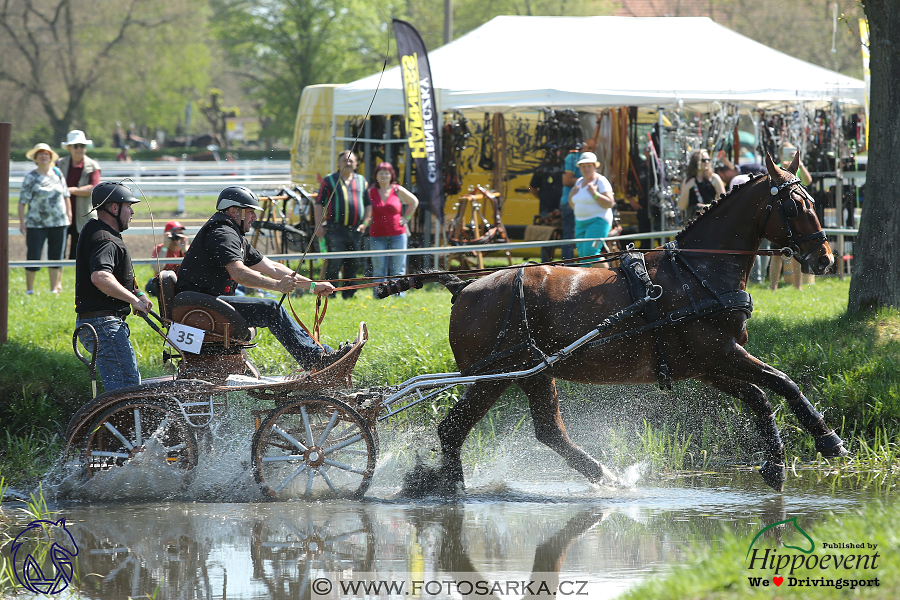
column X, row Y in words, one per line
column 274, row 550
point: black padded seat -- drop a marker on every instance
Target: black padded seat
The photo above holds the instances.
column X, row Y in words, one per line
column 210, row 314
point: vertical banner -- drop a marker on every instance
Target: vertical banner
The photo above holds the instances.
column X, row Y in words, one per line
column 867, row 75
column 422, row 118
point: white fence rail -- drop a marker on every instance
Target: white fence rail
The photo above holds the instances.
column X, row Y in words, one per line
column 179, row 179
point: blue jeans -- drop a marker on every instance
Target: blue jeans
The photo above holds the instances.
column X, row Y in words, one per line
column 387, row 266
column 116, row 361
column 591, row 228
column 266, row 312
column 341, row 238
column 568, row 221
column 760, row 264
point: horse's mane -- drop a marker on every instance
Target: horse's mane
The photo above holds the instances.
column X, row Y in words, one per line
column 715, row 203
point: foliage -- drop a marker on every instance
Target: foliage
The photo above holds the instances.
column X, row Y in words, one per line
column 86, row 63
column 281, row 46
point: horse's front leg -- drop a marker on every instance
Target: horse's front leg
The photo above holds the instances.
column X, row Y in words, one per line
column 773, row 470
column 549, row 429
column 741, row 365
column 455, row 427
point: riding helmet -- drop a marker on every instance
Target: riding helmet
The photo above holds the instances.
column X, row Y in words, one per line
column 111, row 192
column 237, row 196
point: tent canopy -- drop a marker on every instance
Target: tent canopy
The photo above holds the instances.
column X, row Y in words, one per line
column 514, row 62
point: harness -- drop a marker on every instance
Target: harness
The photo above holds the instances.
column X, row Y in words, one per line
column 788, row 209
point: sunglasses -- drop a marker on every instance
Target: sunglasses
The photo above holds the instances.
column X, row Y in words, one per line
column 79, row 145
column 704, row 160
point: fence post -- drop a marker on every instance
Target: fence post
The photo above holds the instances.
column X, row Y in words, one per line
column 5, row 133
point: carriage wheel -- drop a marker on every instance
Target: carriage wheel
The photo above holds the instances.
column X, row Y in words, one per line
column 144, row 430
column 314, row 447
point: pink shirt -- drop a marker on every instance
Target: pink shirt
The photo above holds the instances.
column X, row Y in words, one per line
column 386, row 213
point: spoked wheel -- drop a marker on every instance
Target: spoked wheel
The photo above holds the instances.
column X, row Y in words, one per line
column 314, row 447
column 139, row 431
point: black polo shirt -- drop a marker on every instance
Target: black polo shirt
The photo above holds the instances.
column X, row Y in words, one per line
column 220, row 241
column 100, row 248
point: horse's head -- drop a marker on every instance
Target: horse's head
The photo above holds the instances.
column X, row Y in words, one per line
column 790, row 219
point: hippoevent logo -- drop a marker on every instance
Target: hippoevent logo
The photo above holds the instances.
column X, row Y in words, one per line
column 419, row 114
column 36, row 545
column 777, row 566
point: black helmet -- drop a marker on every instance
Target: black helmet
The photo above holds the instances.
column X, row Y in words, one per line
column 110, row 192
column 237, row 196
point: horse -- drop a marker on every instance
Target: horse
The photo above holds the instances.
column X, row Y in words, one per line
column 697, row 329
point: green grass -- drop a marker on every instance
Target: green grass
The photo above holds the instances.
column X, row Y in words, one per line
column 722, row 571
column 846, row 365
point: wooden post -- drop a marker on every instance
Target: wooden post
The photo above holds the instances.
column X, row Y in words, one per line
column 5, row 132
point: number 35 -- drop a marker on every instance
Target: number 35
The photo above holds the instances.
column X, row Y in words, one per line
column 185, row 338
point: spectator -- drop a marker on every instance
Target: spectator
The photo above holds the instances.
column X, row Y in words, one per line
column 701, row 186
column 547, row 185
column 732, row 175
column 45, row 193
column 105, row 290
column 81, row 174
column 123, row 154
column 176, row 245
column 777, row 264
column 342, row 199
column 390, row 207
column 592, row 200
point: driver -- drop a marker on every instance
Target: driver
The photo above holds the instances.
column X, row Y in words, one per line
column 105, row 289
column 220, row 258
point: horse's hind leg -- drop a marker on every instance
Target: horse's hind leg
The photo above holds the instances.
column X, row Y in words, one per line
column 455, row 427
column 549, row 429
column 773, row 469
column 752, row 370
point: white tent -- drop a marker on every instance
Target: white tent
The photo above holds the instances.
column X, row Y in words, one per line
column 520, row 62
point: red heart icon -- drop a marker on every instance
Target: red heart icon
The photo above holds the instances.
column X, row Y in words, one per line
column 777, row 580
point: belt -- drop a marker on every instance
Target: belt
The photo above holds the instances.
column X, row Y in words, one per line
column 101, row 313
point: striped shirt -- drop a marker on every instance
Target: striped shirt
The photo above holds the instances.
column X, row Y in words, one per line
column 349, row 201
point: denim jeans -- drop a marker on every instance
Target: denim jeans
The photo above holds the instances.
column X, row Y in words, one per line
column 568, row 221
column 340, row 238
column 591, row 228
column 266, row 312
column 116, row 361
column 760, row 264
column 387, row 266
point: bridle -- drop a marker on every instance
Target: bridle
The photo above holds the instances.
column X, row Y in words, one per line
column 789, row 210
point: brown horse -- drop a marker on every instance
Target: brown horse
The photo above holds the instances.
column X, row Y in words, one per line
column 564, row 303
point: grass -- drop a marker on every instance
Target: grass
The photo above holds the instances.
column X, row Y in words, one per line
column 846, row 365
column 723, row 571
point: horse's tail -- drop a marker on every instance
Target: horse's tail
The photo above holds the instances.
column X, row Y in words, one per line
column 394, row 286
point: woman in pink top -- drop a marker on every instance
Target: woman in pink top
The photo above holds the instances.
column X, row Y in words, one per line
column 389, row 208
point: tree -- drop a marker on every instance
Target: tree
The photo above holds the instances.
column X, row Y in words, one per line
column 77, row 58
column 876, row 276
column 281, row 46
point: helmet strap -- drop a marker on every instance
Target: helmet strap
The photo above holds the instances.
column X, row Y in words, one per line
column 118, row 217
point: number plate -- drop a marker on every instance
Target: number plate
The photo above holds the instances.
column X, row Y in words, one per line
column 185, row 338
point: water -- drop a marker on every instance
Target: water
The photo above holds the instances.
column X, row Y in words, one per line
column 525, row 516
column 501, row 530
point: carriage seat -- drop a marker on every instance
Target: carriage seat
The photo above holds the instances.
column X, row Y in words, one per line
column 213, row 315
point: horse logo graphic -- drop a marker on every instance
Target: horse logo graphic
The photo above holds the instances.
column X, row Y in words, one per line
column 34, row 539
column 791, row 521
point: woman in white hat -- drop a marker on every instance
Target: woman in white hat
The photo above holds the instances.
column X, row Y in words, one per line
column 592, row 198
column 46, row 195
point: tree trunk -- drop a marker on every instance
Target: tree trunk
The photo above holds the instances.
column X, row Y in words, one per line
column 876, row 273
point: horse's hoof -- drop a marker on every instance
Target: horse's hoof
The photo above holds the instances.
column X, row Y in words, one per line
column 423, row 481
column 774, row 474
column 830, row 446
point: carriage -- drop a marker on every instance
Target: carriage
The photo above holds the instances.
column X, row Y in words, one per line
column 666, row 314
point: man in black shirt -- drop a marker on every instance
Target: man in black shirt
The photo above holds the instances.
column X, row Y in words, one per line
column 105, row 290
column 220, row 258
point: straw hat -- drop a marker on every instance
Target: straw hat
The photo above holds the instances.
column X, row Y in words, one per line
column 76, row 136
column 31, row 153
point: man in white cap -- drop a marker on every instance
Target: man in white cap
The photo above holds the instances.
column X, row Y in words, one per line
column 81, row 174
